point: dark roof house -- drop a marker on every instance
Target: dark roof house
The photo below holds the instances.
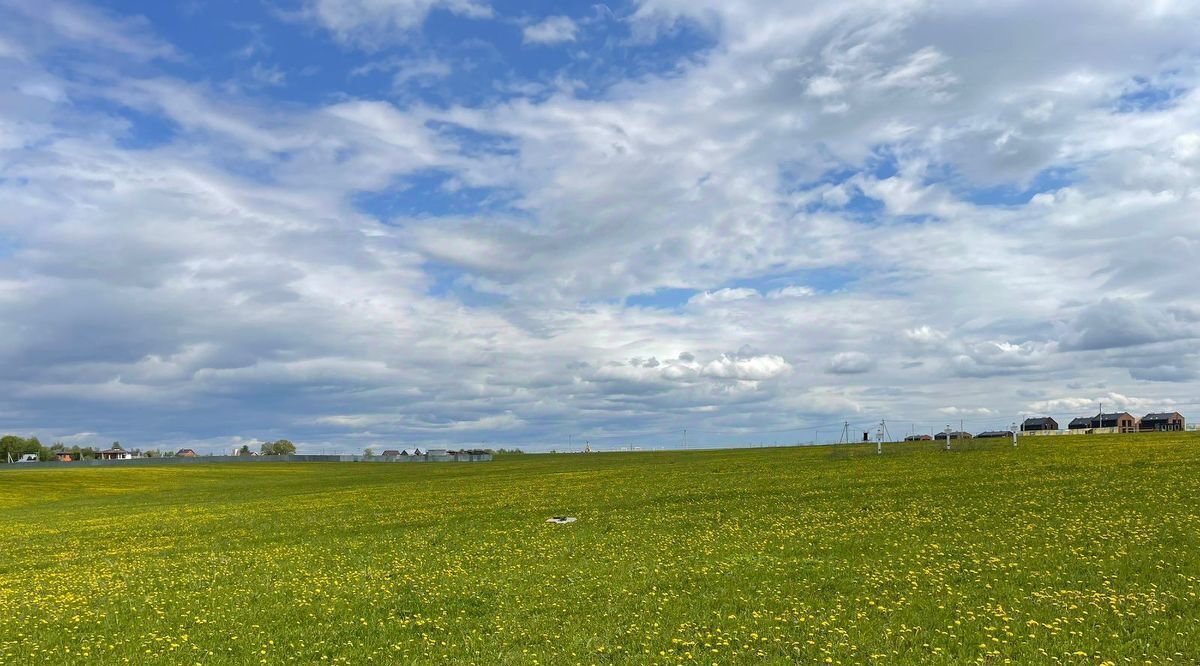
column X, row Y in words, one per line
column 1121, row 420
column 1115, row 420
column 390, row 453
column 994, row 434
column 1162, row 421
column 955, row 435
column 1037, row 424
column 185, row 453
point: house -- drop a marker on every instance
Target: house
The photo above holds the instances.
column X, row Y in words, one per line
column 1162, row 421
column 185, row 453
column 114, row 454
column 64, row 456
column 415, row 452
column 918, row 438
column 954, row 435
column 1122, row 420
column 437, row 452
column 1038, row 424
column 1081, row 423
column 390, row 453
column 993, row 434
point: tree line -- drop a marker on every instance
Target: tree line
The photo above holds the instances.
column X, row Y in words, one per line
column 15, row 446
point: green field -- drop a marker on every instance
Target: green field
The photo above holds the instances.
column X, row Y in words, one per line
column 1063, row 550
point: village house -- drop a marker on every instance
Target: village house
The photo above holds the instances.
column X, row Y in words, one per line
column 1164, row 421
column 1123, row 421
column 64, row 456
column 1039, row 424
column 954, row 435
column 185, row 453
column 115, row 454
column 390, row 453
column 992, row 434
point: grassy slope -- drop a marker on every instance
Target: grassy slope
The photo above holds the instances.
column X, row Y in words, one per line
column 1077, row 550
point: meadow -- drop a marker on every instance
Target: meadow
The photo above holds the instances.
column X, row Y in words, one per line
column 1075, row 550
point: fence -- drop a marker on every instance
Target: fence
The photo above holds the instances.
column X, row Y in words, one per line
column 200, row 460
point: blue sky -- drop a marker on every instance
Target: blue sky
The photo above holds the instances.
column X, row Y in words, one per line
column 427, row 222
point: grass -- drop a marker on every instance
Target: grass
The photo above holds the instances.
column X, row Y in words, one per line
column 1063, row 550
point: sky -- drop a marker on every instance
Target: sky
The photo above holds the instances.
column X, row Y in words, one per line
column 387, row 223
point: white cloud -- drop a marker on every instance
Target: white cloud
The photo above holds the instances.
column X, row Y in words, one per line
column 551, row 30
column 850, row 363
column 754, row 368
column 978, row 220
column 374, row 23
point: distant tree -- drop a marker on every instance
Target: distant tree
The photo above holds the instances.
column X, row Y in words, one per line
column 87, row 453
column 280, row 447
column 245, row 450
column 368, row 452
column 11, row 445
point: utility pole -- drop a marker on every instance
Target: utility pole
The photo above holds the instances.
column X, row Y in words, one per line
column 685, row 439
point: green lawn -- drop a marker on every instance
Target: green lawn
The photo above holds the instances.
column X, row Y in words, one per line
column 1063, row 550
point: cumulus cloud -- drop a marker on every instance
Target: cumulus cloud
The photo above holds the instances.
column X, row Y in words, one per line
column 373, row 23
column 985, row 222
column 1121, row 322
column 850, row 363
column 551, row 30
column 758, row 367
column 1111, row 401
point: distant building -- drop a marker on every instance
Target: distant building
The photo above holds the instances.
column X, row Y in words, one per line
column 114, row 454
column 390, row 453
column 437, row 452
column 1164, row 421
column 954, row 435
column 185, row 453
column 1038, row 424
column 64, row 456
column 1123, row 421
column 918, row 438
column 992, row 434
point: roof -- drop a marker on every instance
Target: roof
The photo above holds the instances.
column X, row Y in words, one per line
column 1111, row 415
column 390, row 452
column 1041, row 420
column 185, row 451
column 995, row 433
column 1082, row 420
column 1161, row 416
column 114, row 451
